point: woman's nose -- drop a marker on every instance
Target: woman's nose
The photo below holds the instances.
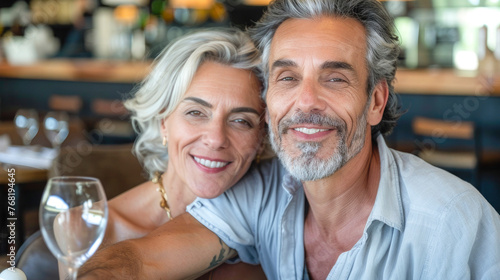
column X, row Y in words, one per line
column 215, row 136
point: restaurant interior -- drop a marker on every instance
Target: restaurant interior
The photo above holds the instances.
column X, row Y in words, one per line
column 67, row 65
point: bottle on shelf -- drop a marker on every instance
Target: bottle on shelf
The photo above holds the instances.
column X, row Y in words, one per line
column 486, row 58
column 497, row 52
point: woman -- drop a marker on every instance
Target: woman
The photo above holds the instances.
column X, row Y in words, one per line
column 199, row 119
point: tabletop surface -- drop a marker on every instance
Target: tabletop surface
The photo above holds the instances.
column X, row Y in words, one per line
column 21, row 174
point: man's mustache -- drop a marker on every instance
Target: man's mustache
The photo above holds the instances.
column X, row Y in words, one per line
column 311, row 118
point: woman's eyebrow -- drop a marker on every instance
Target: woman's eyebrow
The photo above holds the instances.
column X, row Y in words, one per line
column 234, row 110
column 245, row 110
column 199, row 101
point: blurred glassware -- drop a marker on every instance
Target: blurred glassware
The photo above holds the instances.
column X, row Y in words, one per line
column 19, row 50
column 26, row 122
column 56, row 127
column 73, row 216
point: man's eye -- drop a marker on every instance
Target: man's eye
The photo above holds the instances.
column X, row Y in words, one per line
column 336, row 80
column 286, row 79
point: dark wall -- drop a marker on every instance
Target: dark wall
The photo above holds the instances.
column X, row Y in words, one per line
column 32, row 93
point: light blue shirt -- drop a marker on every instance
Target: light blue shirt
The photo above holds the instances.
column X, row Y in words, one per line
column 425, row 224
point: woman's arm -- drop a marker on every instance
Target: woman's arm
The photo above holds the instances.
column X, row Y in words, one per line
column 180, row 249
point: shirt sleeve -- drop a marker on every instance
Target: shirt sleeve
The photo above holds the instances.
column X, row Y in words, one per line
column 466, row 245
column 233, row 215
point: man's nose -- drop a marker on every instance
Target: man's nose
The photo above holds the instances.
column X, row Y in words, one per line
column 309, row 98
column 215, row 136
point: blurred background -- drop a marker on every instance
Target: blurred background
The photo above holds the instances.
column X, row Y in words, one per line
column 434, row 33
column 116, row 29
column 67, row 65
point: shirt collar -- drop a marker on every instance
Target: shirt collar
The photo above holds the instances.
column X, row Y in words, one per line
column 388, row 207
column 291, row 184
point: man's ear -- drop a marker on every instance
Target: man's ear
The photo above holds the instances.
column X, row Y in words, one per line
column 377, row 103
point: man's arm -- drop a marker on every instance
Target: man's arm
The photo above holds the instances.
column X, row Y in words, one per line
column 180, row 249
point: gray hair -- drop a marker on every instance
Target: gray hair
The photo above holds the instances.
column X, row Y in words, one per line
column 161, row 91
column 382, row 42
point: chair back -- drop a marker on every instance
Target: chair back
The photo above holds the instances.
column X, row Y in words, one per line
column 35, row 259
column 114, row 165
column 69, row 103
column 453, row 146
column 112, row 122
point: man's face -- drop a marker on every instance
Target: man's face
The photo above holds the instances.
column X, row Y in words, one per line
column 317, row 100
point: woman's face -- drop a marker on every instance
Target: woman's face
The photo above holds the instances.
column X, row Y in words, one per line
column 214, row 133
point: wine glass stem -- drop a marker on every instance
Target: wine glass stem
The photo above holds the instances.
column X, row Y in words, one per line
column 72, row 273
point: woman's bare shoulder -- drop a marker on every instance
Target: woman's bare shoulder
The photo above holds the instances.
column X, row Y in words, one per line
column 134, row 213
column 141, row 192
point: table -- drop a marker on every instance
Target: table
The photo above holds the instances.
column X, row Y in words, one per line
column 27, row 190
column 23, row 175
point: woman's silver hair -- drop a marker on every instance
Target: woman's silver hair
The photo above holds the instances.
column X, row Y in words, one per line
column 161, row 91
column 382, row 43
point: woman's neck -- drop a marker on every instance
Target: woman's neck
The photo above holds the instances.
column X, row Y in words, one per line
column 178, row 193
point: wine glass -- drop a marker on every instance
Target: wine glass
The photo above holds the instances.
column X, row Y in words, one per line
column 56, row 127
column 26, row 122
column 73, row 218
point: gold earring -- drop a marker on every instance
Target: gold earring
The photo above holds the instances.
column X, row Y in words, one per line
column 257, row 159
column 164, row 141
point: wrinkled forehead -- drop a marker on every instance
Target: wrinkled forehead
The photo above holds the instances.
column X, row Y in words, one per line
column 318, row 42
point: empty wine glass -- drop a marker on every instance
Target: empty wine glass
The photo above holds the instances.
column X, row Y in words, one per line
column 73, row 217
column 56, row 127
column 26, row 122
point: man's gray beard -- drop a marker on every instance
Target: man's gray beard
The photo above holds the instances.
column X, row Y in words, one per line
column 307, row 166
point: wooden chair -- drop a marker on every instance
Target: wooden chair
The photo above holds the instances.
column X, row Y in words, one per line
column 35, row 259
column 112, row 122
column 69, row 103
column 453, row 146
column 115, row 166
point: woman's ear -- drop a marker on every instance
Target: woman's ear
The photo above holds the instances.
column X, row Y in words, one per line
column 377, row 103
column 163, row 128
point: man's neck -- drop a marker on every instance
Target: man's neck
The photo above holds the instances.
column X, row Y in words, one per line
column 339, row 207
column 348, row 195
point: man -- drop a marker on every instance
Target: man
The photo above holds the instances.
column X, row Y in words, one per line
column 342, row 205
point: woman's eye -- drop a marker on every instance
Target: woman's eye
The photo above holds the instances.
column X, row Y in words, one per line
column 194, row 113
column 243, row 122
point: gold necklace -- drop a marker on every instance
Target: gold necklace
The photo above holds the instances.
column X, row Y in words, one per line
column 164, row 199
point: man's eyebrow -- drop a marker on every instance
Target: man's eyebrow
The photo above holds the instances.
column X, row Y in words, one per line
column 199, row 101
column 325, row 65
column 283, row 63
column 337, row 65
